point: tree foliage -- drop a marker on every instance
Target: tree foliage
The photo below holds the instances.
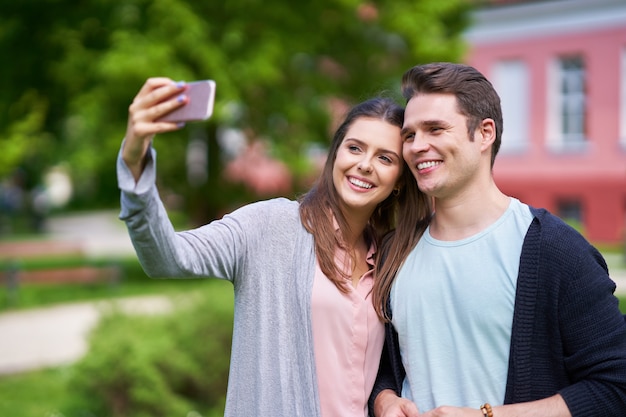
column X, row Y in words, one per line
column 71, row 69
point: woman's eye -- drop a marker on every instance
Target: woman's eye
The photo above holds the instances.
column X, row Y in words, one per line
column 354, row 148
column 386, row 159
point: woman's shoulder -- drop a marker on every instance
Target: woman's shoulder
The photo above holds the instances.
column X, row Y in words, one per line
column 279, row 205
column 276, row 220
column 275, row 209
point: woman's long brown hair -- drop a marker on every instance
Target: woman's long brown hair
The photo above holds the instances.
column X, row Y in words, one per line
column 413, row 217
column 321, row 203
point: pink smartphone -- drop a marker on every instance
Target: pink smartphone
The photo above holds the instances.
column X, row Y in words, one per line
column 201, row 96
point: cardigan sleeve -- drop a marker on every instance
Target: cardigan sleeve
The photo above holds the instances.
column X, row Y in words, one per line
column 208, row 251
column 594, row 341
column 390, row 371
column 218, row 249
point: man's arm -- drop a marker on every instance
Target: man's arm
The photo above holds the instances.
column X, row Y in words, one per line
column 390, row 370
column 388, row 404
column 548, row 407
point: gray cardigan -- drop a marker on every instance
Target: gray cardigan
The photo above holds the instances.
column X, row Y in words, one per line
column 269, row 257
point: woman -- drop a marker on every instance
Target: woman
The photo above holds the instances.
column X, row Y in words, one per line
column 306, row 338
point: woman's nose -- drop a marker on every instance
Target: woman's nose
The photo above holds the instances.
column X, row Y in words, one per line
column 365, row 165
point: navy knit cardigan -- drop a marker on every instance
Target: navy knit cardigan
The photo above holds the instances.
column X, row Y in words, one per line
column 568, row 334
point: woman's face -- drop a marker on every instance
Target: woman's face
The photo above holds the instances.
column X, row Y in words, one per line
column 368, row 165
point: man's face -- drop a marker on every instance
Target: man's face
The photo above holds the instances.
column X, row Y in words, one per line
column 437, row 147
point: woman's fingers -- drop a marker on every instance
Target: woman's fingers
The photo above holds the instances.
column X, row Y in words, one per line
column 156, row 91
column 157, row 97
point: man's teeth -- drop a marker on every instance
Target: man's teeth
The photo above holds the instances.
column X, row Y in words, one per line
column 428, row 164
column 360, row 183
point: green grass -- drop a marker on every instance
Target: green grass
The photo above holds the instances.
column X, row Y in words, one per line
column 622, row 303
column 47, row 393
column 35, row 394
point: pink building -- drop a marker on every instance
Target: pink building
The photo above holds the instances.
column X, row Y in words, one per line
column 560, row 69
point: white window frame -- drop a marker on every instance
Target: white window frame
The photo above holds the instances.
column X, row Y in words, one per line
column 567, row 95
column 511, row 80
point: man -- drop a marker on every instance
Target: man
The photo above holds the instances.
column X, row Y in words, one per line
column 500, row 309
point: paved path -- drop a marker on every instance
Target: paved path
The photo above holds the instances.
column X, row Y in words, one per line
column 55, row 336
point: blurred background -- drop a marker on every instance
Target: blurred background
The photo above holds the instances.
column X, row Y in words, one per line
column 83, row 332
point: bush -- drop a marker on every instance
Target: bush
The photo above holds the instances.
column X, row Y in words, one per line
column 152, row 366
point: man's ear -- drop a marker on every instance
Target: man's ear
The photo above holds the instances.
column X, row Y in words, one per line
column 487, row 132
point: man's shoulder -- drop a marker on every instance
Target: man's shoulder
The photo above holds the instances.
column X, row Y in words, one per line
column 554, row 231
column 548, row 219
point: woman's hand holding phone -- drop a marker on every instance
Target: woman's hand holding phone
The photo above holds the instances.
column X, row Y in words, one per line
column 156, row 97
column 162, row 105
column 199, row 105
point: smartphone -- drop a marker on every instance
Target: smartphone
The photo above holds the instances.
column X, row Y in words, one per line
column 201, row 95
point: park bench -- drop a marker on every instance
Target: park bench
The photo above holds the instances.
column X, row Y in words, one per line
column 46, row 271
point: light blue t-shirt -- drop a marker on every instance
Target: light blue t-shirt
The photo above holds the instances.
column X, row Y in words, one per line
column 452, row 305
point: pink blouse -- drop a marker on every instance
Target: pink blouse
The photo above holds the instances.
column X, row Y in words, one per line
column 348, row 340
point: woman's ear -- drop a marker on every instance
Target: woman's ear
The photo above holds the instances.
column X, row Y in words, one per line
column 399, row 185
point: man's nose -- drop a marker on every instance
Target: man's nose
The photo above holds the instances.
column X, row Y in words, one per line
column 418, row 144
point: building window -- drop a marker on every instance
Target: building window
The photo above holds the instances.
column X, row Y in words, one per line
column 570, row 210
column 567, row 119
column 511, row 81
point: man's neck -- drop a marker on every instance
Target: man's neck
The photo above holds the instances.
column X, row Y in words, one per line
column 465, row 215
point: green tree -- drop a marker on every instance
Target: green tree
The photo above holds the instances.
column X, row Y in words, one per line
column 72, row 67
